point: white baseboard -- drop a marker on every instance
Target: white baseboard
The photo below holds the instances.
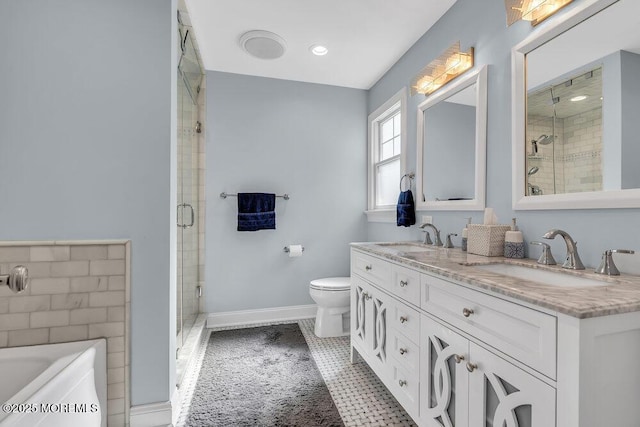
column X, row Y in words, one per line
column 155, row 414
column 263, row 315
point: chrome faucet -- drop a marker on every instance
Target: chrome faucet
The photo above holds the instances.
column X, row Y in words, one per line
column 436, row 233
column 572, row 259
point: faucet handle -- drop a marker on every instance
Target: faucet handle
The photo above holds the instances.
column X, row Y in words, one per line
column 546, row 258
column 427, row 238
column 607, row 266
column 448, row 243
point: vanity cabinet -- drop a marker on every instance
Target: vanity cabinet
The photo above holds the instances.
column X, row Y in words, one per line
column 440, row 348
column 457, row 348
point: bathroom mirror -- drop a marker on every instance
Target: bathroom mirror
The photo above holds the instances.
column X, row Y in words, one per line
column 451, row 152
column 576, row 94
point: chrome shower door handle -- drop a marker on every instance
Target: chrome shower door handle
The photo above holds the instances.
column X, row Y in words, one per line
column 193, row 215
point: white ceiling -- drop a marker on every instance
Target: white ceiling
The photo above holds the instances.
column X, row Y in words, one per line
column 365, row 37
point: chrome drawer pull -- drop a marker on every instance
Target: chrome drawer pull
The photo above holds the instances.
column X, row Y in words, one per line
column 403, row 319
column 459, row 358
column 403, row 351
column 368, row 267
column 466, row 312
column 402, row 383
column 471, row 366
column 403, row 283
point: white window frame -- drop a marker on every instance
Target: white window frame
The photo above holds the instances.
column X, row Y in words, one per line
column 387, row 213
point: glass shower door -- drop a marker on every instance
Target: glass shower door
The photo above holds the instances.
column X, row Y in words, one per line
column 187, row 209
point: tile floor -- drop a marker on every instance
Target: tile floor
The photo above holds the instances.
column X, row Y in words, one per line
column 361, row 399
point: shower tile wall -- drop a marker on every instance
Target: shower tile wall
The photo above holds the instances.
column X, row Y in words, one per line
column 188, row 173
column 577, row 147
column 583, row 151
column 79, row 290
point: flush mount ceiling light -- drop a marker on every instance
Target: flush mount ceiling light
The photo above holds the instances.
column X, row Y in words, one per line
column 578, row 98
column 446, row 67
column 263, row 44
column 535, row 11
column 318, row 50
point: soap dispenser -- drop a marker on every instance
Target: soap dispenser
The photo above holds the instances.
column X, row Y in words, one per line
column 465, row 232
column 513, row 242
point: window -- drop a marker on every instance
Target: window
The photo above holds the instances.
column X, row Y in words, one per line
column 386, row 157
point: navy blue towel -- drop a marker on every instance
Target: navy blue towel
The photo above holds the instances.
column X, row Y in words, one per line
column 406, row 210
column 256, row 211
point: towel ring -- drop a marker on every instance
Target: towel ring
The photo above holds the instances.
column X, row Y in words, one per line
column 407, row 175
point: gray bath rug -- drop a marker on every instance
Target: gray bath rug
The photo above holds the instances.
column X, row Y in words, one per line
column 262, row 376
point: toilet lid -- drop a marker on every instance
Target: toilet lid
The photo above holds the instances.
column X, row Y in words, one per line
column 332, row 284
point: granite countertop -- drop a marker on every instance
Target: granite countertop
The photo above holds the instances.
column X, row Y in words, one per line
column 621, row 294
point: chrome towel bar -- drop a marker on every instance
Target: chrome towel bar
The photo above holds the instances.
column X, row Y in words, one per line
column 224, row 195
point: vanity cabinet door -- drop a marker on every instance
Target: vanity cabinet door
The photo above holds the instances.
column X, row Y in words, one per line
column 369, row 319
column 444, row 380
column 360, row 311
column 501, row 394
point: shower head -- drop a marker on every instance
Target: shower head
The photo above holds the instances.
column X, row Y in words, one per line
column 544, row 139
column 533, row 171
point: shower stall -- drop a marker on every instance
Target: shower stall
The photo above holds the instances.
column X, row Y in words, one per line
column 564, row 135
column 189, row 151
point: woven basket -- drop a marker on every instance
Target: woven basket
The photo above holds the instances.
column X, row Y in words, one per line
column 486, row 240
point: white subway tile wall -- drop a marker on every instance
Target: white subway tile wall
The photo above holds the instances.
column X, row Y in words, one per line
column 78, row 291
column 575, row 154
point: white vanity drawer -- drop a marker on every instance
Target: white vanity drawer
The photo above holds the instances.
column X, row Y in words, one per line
column 375, row 270
column 405, row 351
column 527, row 335
column 405, row 320
column 405, row 283
column 405, row 386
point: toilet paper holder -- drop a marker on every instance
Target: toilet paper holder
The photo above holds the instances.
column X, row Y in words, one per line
column 287, row 250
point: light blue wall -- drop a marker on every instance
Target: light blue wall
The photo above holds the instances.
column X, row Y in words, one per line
column 85, row 148
column 449, row 155
column 482, row 24
column 269, row 135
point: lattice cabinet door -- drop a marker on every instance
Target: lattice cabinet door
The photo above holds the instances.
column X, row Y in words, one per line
column 360, row 314
column 503, row 395
column 444, row 379
column 379, row 316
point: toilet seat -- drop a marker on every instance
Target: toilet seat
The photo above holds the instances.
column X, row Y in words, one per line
column 331, row 284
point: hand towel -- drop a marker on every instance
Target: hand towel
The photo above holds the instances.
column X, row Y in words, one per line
column 406, row 210
column 256, row 211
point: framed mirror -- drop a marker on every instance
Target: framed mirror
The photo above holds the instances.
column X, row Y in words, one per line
column 576, row 94
column 451, row 152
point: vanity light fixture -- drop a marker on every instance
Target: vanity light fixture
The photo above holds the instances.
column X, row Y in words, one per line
column 578, row 98
column 446, row 67
column 535, row 11
column 319, row 50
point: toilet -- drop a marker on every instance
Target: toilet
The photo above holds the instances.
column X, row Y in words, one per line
column 332, row 297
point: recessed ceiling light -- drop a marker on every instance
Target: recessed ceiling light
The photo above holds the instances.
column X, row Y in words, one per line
column 263, row 44
column 319, row 50
column 578, row 98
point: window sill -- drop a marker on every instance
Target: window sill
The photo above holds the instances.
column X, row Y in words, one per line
column 381, row 215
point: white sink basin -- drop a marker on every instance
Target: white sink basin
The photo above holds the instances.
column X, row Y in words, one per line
column 542, row 276
column 407, row 247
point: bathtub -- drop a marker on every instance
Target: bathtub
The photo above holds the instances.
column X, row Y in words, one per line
column 54, row 385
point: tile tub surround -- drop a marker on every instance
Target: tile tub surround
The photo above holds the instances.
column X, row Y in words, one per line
column 623, row 296
column 79, row 290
